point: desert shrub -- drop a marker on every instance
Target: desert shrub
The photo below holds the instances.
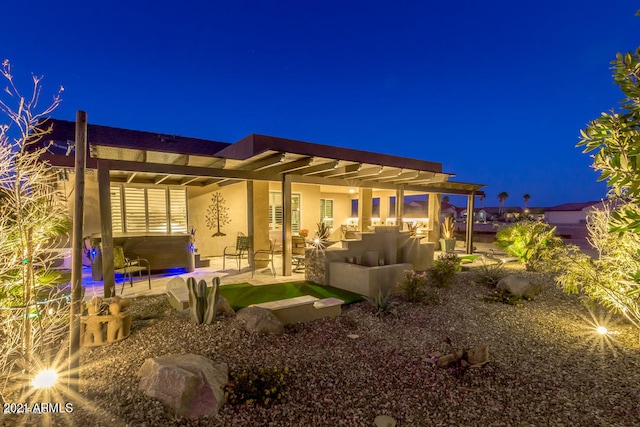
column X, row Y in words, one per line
column 532, row 242
column 489, row 274
column 504, row 296
column 256, row 385
column 612, row 279
column 382, row 304
column 413, row 285
column 444, row 269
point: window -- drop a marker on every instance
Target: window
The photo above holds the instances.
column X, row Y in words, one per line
column 148, row 209
column 326, row 211
column 275, row 211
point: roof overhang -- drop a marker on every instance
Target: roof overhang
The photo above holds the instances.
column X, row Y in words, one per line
column 142, row 157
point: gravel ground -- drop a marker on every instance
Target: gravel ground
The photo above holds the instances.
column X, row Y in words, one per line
column 547, row 367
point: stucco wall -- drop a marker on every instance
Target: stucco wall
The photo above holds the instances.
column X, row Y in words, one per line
column 566, row 217
column 235, row 199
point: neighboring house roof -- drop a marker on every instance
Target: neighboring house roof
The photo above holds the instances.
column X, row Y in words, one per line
column 572, row 206
column 136, row 156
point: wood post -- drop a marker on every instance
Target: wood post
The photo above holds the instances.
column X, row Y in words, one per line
column 76, row 254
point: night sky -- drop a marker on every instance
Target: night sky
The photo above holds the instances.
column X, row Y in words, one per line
column 497, row 91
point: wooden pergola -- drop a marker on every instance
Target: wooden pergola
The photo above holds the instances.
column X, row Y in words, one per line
column 128, row 156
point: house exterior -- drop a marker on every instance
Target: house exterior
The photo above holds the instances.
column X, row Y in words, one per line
column 570, row 213
column 144, row 184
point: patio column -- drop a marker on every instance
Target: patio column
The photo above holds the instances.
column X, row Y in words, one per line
column 385, row 205
column 104, row 195
column 400, row 206
column 470, row 203
column 365, row 204
column 434, row 217
column 286, row 225
column 258, row 215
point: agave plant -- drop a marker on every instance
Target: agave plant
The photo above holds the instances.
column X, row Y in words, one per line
column 447, row 228
column 323, row 231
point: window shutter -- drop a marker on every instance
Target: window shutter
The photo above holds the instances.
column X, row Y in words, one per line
column 157, row 210
column 135, row 210
column 178, row 210
column 116, row 209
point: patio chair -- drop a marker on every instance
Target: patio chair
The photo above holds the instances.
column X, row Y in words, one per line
column 238, row 251
column 264, row 255
column 297, row 252
column 126, row 267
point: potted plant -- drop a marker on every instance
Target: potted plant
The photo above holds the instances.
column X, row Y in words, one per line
column 447, row 240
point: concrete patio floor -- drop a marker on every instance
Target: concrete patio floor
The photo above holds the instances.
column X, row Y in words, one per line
column 263, row 276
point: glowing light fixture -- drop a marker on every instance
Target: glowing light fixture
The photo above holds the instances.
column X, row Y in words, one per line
column 45, row 379
column 602, row 330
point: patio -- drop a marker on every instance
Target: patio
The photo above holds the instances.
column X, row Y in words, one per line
column 263, row 276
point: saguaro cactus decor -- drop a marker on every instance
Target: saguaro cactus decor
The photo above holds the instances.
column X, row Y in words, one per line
column 203, row 307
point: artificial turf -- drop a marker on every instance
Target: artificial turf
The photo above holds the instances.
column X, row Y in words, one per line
column 241, row 295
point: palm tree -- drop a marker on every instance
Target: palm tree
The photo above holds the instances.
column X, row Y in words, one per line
column 502, row 197
column 526, row 198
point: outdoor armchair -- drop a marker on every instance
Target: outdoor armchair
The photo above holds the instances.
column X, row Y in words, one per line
column 264, row 255
column 238, row 251
column 126, row 267
column 298, row 245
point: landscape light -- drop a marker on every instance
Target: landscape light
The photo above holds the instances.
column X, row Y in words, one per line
column 45, row 379
column 602, row 330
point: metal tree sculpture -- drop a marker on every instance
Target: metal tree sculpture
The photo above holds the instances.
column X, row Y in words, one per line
column 217, row 214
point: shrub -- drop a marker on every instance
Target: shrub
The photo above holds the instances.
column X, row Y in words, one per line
column 413, row 285
column 504, row 296
column 256, row 385
column 489, row 274
column 612, row 279
column 444, row 269
column 383, row 304
column 533, row 242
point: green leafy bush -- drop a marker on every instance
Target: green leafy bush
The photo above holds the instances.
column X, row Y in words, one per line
column 413, row 285
column 444, row 269
column 532, row 242
column 613, row 278
column 257, row 385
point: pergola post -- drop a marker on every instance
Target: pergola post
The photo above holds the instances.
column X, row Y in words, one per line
column 364, row 208
column 400, row 206
column 469, row 231
column 104, row 192
column 286, row 225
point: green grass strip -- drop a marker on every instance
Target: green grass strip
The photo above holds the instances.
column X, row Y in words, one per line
column 242, row 295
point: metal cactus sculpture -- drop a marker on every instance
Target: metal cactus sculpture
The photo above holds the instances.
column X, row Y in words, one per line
column 203, row 307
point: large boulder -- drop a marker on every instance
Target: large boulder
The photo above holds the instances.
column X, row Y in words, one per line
column 192, row 385
column 260, row 321
column 520, row 286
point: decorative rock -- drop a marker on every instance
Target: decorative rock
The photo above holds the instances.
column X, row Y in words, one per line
column 260, row 321
column 223, row 306
column 478, row 356
column 519, row 285
column 192, row 385
column 175, row 283
column 384, row 421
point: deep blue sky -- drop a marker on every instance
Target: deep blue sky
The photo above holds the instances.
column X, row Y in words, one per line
column 496, row 91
